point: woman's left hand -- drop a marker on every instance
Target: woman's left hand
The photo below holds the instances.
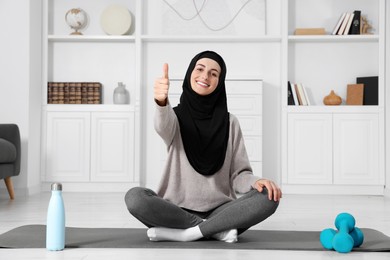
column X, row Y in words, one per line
column 274, row 192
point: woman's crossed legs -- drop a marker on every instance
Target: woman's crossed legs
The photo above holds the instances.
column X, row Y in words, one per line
column 166, row 221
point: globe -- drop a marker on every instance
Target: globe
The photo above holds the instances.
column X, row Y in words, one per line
column 77, row 19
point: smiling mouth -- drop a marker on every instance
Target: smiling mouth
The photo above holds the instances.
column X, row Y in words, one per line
column 202, row 84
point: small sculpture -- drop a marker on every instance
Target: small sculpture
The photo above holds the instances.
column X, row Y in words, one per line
column 332, row 99
column 365, row 25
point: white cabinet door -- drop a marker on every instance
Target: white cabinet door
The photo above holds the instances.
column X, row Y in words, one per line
column 310, row 149
column 112, row 151
column 67, row 146
column 356, row 149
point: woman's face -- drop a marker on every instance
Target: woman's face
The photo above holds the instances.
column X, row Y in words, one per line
column 205, row 76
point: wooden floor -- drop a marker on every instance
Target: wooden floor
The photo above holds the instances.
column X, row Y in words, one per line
column 296, row 212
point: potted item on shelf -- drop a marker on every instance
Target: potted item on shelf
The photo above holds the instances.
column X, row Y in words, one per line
column 121, row 95
column 77, row 19
column 332, row 99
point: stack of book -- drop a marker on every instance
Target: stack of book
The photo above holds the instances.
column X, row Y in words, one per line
column 363, row 92
column 297, row 95
column 349, row 23
column 74, row 93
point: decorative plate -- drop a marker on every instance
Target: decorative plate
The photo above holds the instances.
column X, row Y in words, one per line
column 116, row 20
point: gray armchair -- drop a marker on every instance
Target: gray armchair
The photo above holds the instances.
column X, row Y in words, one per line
column 10, row 154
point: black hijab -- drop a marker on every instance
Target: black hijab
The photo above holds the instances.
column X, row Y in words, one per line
column 204, row 121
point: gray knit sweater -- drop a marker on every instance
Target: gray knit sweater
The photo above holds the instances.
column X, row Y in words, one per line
column 183, row 186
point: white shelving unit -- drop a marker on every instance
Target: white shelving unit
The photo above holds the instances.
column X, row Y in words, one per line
column 332, row 149
column 268, row 51
column 95, row 56
column 90, row 147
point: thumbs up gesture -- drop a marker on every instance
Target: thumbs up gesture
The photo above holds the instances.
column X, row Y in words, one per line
column 161, row 87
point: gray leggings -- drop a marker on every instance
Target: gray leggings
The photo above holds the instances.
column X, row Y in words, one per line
column 240, row 214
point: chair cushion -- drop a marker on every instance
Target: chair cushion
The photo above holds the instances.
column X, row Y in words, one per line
column 7, row 151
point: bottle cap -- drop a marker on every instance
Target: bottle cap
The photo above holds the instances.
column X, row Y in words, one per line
column 56, row 186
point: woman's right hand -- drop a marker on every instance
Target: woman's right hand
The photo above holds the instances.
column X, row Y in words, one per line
column 161, row 87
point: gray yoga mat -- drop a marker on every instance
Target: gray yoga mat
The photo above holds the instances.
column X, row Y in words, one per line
column 33, row 236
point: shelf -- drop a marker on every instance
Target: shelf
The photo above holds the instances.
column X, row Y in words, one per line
column 333, row 109
column 202, row 38
column 333, row 38
column 88, row 108
column 90, row 38
column 162, row 38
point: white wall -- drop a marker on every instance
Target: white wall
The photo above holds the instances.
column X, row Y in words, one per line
column 20, row 85
column 35, row 95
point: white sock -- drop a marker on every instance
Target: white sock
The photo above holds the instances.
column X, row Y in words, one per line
column 173, row 234
column 229, row 236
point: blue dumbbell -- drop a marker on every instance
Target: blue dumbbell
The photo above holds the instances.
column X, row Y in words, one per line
column 357, row 236
column 326, row 238
column 343, row 241
column 347, row 237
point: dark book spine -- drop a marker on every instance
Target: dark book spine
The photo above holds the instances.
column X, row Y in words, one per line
column 90, row 92
column 370, row 92
column 78, row 98
column 61, row 87
column 290, row 98
column 50, row 92
column 355, row 26
column 72, row 93
column 97, row 93
column 84, row 93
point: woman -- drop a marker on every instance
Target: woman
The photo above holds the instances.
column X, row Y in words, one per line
column 207, row 164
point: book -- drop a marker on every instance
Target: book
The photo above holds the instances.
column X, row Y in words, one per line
column 355, row 27
column 355, row 94
column 344, row 24
column 298, row 95
column 290, row 98
column 74, row 93
column 349, row 23
column 301, row 95
column 306, row 95
column 370, row 93
column 310, row 31
column 294, row 94
column 337, row 27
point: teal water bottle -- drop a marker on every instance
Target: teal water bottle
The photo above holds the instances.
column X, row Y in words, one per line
column 55, row 228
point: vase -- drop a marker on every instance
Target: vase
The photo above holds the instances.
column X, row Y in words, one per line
column 332, row 99
column 121, row 95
